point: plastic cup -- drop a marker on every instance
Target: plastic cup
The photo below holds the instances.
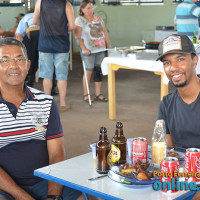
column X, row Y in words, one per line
column 129, row 143
column 93, row 147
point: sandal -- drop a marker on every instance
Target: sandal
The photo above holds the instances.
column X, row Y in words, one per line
column 97, row 98
column 86, row 99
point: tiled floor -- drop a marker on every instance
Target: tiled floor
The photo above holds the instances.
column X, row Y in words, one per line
column 138, row 96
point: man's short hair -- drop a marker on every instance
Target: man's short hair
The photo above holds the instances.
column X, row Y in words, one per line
column 14, row 42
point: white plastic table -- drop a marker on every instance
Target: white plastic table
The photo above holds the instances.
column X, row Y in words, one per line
column 111, row 64
column 76, row 171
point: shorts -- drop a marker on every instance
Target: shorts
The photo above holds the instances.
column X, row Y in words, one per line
column 39, row 191
column 47, row 61
column 92, row 60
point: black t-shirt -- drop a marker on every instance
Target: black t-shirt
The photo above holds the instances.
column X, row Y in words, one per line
column 182, row 120
column 53, row 36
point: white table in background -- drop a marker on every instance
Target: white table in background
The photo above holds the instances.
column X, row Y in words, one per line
column 76, row 171
column 111, row 64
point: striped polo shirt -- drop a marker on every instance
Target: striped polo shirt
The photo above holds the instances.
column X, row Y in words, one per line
column 186, row 18
column 24, row 134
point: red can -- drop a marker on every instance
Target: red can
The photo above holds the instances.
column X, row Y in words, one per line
column 139, row 150
column 192, row 164
column 168, row 166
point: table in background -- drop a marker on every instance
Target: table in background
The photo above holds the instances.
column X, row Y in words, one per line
column 75, row 173
column 110, row 65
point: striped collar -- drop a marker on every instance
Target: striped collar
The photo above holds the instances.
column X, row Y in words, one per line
column 28, row 94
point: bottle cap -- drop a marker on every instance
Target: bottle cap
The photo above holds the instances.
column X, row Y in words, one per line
column 119, row 125
column 103, row 130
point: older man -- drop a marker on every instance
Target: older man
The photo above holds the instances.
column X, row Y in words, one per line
column 180, row 109
column 31, row 134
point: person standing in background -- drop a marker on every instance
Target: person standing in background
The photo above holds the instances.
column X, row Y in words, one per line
column 18, row 18
column 55, row 18
column 186, row 18
column 28, row 33
column 92, row 38
column 198, row 4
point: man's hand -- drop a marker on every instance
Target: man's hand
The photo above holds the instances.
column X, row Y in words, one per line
column 8, row 185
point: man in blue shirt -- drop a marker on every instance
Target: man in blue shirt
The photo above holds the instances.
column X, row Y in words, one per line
column 31, row 134
column 186, row 18
column 28, row 33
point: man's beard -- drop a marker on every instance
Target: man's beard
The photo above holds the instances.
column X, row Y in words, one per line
column 180, row 84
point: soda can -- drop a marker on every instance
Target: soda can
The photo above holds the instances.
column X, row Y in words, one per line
column 139, row 150
column 192, row 164
column 168, row 166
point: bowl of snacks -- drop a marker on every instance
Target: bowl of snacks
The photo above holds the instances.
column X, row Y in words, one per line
column 140, row 174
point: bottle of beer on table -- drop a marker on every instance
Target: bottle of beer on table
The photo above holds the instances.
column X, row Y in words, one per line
column 194, row 38
column 103, row 149
column 118, row 147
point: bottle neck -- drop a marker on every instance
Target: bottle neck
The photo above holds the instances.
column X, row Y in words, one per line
column 103, row 137
column 119, row 132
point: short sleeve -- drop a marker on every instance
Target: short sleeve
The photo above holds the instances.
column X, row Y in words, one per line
column 78, row 22
column 175, row 18
column 54, row 128
column 21, row 27
column 162, row 115
column 195, row 10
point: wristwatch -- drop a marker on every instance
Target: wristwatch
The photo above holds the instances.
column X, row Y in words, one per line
column 55, row 197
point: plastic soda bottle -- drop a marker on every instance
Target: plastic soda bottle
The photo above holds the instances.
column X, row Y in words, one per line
column 159, row 143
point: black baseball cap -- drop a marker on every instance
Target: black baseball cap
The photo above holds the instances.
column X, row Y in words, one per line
column 175, row 44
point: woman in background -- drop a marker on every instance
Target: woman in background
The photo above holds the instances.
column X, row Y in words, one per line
column 92, row 38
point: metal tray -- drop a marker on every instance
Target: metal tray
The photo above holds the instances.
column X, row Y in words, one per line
column 147, row 54
column 123, row 51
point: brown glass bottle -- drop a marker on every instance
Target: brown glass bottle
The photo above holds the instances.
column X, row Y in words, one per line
column 118, row 146
column 103, row 149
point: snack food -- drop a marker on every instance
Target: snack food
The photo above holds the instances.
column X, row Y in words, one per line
column 142, row 176
column 173, row 154
column 139, row 171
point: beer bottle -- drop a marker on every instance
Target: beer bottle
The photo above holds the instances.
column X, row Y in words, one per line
column 194, row 38
column 118, row 147
column 102, row 149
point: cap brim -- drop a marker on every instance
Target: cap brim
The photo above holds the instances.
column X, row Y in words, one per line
column 161, row 57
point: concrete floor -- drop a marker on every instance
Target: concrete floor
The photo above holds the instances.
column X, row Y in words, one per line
column 138, row 97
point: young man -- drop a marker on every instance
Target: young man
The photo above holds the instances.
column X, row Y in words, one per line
column 31, row 134
column 180, row 109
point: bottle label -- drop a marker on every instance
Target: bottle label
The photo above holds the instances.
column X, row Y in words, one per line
column 115, row 153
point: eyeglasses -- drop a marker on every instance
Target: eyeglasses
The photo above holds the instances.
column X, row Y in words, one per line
column 6, row 61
